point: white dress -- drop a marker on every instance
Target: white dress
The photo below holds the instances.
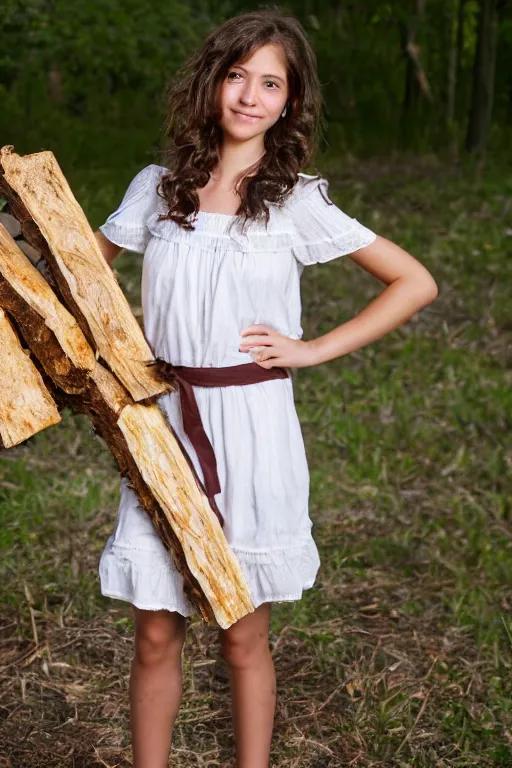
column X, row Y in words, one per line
column 200, row 289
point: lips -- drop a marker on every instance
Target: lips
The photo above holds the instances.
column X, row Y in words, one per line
column 246, row 115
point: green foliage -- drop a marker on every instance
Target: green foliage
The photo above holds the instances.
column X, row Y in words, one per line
column 74, row 75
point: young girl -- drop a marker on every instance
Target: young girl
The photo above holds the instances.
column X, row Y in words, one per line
column 226, row 227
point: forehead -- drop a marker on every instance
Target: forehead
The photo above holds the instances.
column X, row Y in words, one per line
column 266, row 59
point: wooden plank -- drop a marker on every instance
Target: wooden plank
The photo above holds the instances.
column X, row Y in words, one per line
column 26, row 406
column 84, row 278
column 54, row 334
column 138, row 435
column 187, row 509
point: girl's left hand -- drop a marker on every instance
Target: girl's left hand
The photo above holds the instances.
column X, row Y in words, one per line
column 271, row 349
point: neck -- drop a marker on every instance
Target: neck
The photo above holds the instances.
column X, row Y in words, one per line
column 236, row 158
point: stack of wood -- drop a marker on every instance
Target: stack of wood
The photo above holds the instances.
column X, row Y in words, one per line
column 69, row 339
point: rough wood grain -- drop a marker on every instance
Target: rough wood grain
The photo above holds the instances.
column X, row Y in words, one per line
column 187, row 509
column 146, row 449
column 54, row 334
column 26, row 406
column 84, row 278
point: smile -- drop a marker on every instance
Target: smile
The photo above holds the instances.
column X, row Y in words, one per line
column 246, row 118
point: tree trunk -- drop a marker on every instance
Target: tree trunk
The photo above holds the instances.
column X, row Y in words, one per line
column 483, row 78
column 453, row 55
column 460, row 42
column 416, row 81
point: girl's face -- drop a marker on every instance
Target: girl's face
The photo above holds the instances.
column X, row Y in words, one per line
column 254, row 94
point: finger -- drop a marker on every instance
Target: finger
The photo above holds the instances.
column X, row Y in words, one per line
column 272, row 362
column 257, row 328
column 263, row 340
column 259, row 354
column 265, row 363
column 264, row 356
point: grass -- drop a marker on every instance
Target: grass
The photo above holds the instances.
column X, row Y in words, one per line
column 400, row 655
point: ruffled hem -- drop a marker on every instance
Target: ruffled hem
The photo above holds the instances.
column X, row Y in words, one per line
column 272, row 576
column 329, row 248
column 308, row 224
column 126, row 226
column 219, row 231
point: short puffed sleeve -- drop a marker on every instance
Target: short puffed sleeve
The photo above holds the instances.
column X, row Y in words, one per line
column 127, row 225
column 321, row 230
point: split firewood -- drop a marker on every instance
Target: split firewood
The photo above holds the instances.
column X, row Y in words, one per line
column 141, row 440
column 36, row 189
column 26, row 406
column 48, row 328
column 13, row 227
column 168, row 490
column 151, row 456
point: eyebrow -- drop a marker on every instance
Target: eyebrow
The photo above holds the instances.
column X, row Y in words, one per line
column 275, row 77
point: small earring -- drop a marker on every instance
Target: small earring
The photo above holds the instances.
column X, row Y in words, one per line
column 283, row 113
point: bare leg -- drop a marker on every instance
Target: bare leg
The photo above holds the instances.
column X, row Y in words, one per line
column 155, row 685
column 244, row 646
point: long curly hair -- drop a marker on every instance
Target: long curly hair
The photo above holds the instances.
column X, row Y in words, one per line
column 194, row 111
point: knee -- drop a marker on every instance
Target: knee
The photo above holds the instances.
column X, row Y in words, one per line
column 243, row 651
column 159, row 638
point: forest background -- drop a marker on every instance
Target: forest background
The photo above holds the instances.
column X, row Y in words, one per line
column 401, row 653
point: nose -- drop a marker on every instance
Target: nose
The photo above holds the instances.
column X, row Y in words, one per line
column 248, row 95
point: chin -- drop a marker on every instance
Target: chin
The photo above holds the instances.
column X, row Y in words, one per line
column 241, row 135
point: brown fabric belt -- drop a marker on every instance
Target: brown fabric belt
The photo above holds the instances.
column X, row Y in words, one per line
column 186, row 377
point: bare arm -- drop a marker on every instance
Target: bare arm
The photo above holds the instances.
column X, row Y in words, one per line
column 409, row 288
column 109, row 250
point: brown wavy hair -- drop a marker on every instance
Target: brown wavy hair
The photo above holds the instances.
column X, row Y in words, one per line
column 193, row 115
